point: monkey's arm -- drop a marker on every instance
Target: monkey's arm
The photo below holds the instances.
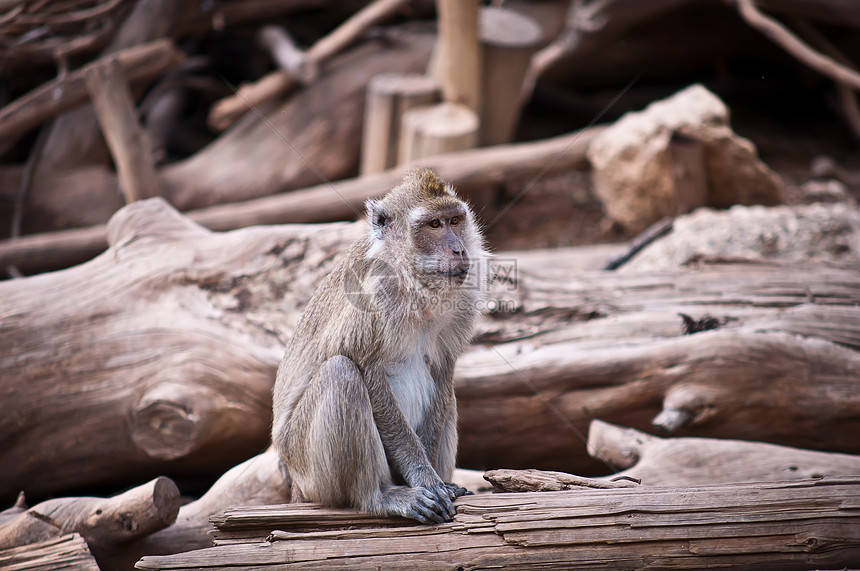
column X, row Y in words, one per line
column 402, row 446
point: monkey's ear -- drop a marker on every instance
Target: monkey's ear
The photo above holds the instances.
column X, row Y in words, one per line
column 377, row 217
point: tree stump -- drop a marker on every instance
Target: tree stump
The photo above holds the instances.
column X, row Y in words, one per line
column 389, row 96
column 435, row 130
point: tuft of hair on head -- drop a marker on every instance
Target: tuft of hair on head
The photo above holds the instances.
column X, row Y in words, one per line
column 428, row 182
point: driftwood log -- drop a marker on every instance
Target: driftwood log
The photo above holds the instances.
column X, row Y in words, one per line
column 167, row 346
column 786, row 525
column 162, row 380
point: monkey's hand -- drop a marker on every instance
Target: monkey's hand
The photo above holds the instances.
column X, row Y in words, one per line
column 415, row 503
column 427, row 479
column 456, row 491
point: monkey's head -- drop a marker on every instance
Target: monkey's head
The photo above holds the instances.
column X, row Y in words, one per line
column 423, row 225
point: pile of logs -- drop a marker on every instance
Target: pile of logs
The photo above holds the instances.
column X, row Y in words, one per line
column 191, row 218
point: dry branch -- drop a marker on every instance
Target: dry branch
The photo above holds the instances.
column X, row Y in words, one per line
column 542, row 481
column 312, row 137
column 339, row 200
column 229, row 110
column 796, row 525
column 781, row 35
column 74, row 137
column 115, row 110
column 63, row 93
column 290, row 59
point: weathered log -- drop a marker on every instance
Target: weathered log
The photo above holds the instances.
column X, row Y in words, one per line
column 107, row 524
column 311, row 139
column 65, row 552
column 786, row 525
column 342, row 200
column 702, row 461
column 176, row 332
column 164, row 388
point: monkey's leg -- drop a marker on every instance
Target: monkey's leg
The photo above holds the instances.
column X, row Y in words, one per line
column 343, row 460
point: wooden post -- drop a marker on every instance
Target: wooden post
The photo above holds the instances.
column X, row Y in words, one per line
column 389, row 96
column 436, row 129
column 459, row 57
column 115, row 110
column 508, row 40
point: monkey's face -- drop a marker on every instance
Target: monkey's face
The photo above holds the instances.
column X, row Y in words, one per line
column 440, row 240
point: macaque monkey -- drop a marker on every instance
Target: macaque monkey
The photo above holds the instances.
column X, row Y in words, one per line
column 364, row 408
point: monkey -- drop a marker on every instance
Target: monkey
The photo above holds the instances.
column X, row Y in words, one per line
column 364, row 409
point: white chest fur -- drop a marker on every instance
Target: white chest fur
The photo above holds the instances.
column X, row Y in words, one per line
column 412, row 384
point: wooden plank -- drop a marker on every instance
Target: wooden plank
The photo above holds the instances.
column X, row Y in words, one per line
column 786, row 525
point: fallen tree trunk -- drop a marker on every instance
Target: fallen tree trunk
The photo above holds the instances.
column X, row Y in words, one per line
column 157, row 379
column 168, row 345
column 342, row 200
column 794, row 525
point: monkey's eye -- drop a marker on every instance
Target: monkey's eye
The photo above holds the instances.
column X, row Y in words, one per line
column 454, row 220
column 435, row 223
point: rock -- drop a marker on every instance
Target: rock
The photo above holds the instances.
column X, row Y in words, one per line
column 635, row 173
column 828, row 233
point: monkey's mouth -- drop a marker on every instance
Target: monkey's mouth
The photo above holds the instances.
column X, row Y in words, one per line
column 454, row 273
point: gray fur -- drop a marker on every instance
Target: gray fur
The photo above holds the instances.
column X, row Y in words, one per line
column 364, row 408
